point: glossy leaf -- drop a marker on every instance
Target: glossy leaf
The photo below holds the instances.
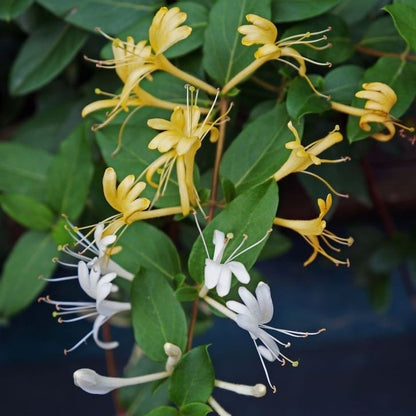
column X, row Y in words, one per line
column 156, row 314
column 399, row 75
column 381, row 35
column 10, row 9
column 292, row 10
column 258, row 151
column 193, row 378
column 352, row 11
column 164, row 411
column 31, row 257
column 342, row 82
column 301, row 100
column 46, row 52
column 404, row 17
column 195, row 409
column 250, row 213
column 27, row 211
column 224, row 55
column 110, row 16
column 70, row 174
column 144, row 246
column 23, row 169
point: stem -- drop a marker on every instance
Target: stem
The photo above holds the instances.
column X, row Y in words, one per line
column 242, row 75
column 167, row 66
column 112, row 369
column 389, row 226
column 218, row 155
column 213, row 199
column 375, row 52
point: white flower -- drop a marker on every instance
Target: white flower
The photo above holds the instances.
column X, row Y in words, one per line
column 253, row 314
column 218, row 272
column 101, row 249
column 91, row 382
column 97, row 287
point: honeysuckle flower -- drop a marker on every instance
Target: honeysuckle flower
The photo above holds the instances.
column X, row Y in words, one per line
column 98, row 251
column 180, row 139
column 253, row 315
column 97, row 287
column 94, row 383
column 301, row 157
column 218, row 271
column 314, row 230
column 263, row 32
column 125, row 199
column 134, row 62
column 380, row 100
column 258, row 390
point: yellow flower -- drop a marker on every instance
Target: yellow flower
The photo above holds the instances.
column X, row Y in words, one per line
column 301, row 157
column 315, row 229
column 125, row 198
column 180, row 139
column 166, row 29
column 263, row 32
column 135, row 61
column 380, row 100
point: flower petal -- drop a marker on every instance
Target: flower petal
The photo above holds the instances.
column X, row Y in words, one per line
column 239, row 271
column 212, row 273
column 251, row 302
column 264, row 299
column 224, row 280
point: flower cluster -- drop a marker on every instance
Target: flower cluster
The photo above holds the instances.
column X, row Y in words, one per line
column 221, row 258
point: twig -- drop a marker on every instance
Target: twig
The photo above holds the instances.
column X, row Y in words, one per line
column 112, row 370
column 375, row 52
column 212, row 205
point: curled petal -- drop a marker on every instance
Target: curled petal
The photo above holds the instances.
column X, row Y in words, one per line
column 99, row 321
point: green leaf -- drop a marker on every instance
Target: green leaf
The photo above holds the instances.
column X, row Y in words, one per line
column 195, row 409
column 10, row 9
column 224, row 55
column 292, row 10
column 186, row 294
column 31, row 257
column 352, row 11
column 52, row 126
column 140, row 399
column 23, row 169
column 404, row 17
column 157, row 315
column 301, row 100
column 164, row 411
column 258, row 151
column 44, row 55
column 111, row 16
column 399, row 75
column 382, row 36
column 342, row 82
column 193, row 378
column 145, row 245
column 251, row 213
column 70, row 174
column 27, row 211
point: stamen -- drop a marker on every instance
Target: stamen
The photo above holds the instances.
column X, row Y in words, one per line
column 252, row 246
column 272, row 386
column 326, row 183
column 200, row 232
